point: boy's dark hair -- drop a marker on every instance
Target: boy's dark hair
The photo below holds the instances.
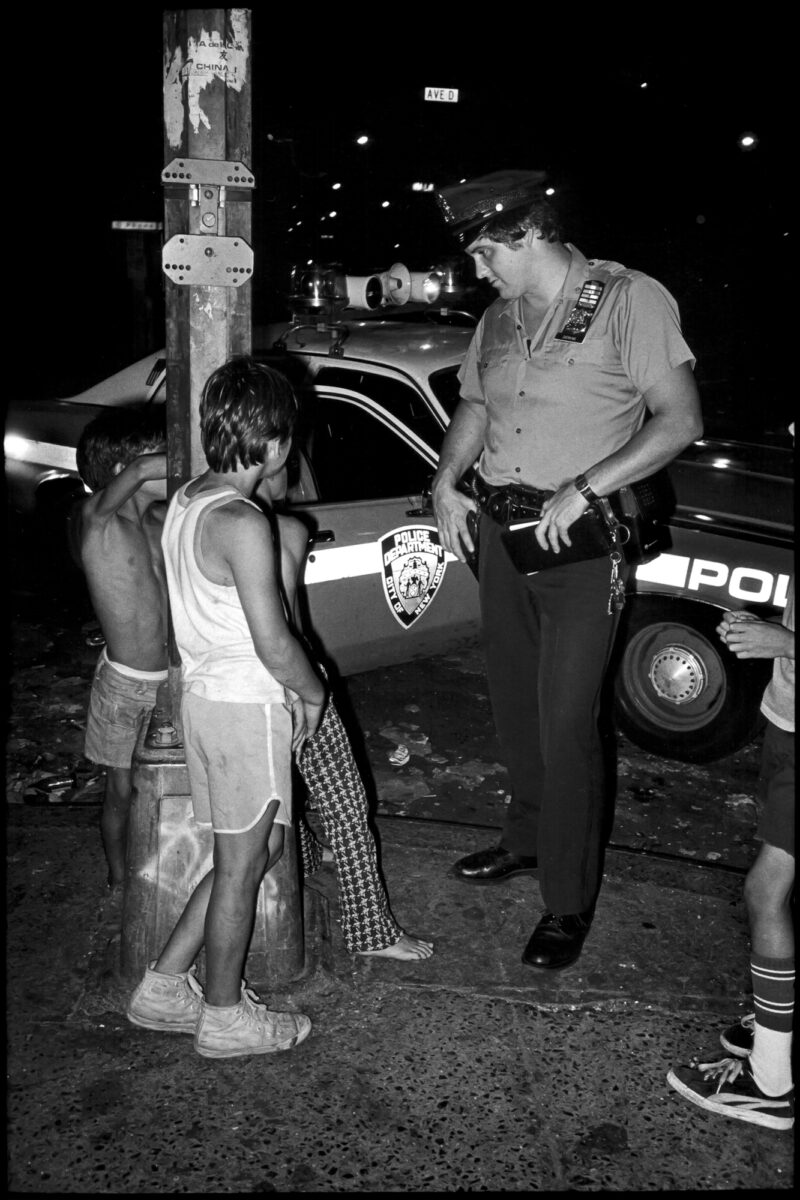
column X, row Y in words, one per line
column 118, row 435
column 245, row 404
column 511, row 226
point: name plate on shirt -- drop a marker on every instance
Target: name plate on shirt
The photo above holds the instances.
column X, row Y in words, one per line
column 579, row 320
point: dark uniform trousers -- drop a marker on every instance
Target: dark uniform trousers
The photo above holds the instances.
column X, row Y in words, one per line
column 548, row 638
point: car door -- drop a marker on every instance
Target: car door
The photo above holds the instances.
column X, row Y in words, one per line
column 378, row 587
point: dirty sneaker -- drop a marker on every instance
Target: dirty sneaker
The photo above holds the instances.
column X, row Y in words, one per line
column 169, row 1003
column 728, row 1088
column 248, row 1028
column 738, row 1039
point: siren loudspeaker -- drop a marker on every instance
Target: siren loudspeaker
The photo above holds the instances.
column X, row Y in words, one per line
column 396, row 284
column 364, row 291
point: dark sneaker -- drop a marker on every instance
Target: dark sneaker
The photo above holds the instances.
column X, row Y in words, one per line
column 738, row 1040
column 728, row 1088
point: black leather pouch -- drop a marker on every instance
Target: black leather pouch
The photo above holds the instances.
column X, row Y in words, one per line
column 589, row 536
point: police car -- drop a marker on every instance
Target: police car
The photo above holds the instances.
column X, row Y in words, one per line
column 379, row 386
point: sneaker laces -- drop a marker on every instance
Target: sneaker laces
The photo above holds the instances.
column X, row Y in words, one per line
column 193, row 985
column 281, row 1024
column 725, row 1071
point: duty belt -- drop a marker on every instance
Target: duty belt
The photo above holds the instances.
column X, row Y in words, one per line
column 509, row 503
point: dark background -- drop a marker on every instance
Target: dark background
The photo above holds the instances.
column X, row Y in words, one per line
column 653, row 176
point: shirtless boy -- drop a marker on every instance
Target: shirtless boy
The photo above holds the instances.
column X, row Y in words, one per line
column 121, row 459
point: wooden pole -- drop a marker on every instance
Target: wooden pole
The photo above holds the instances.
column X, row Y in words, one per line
column 207, row 115
column 208, row 267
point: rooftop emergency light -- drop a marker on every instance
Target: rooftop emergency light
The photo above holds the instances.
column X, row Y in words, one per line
column 319, row 293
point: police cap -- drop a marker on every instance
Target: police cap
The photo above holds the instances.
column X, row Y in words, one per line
column 468, row 205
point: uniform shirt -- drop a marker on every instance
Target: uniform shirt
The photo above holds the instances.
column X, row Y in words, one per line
column 778, row 702
column 218, row 657
column 554, row 408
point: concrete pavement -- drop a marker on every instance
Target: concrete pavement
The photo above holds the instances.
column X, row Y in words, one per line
column 469, row 1072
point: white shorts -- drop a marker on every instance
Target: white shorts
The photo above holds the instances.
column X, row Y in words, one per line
column 239, row 759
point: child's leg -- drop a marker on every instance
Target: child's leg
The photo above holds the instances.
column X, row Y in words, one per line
column 114, row 821
column 311, row 852
column 333, row 779
column 221, row 909
column 240, row 860
column 768, row 892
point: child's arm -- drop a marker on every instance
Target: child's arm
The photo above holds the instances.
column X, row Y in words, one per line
column 242, row 541
column 293, row 539
column 750, row 637
column 110, row 499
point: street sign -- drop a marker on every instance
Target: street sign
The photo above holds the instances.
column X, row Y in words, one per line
column 137, row 224
column 447, row 95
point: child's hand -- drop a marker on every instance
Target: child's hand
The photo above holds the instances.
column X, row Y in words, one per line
column 299, row 724
column 729, row 619
column 306, row 719
column 314, row 716
column 747, row 636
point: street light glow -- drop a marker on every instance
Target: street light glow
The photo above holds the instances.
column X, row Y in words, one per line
column 748, row 141
column 335, row 187
column 385, row 204
column 362, row 141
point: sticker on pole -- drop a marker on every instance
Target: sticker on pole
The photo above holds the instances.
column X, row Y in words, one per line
column 414, row 564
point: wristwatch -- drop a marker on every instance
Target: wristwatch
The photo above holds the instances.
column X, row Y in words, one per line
column 582, row 484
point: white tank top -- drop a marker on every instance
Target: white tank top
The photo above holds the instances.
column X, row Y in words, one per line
column 218, row 658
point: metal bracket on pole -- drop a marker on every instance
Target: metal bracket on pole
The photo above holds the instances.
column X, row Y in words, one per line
column 208, row 259
column 204, row 261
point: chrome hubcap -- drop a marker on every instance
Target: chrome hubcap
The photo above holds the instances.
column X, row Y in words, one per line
column 677, row 675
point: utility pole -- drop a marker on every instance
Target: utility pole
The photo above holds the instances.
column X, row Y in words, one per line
column 208, row 186
column 208, row 264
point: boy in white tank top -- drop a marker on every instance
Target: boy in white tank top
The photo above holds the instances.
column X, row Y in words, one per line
column 250, row 698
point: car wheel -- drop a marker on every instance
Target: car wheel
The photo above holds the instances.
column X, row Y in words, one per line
column 678, row 692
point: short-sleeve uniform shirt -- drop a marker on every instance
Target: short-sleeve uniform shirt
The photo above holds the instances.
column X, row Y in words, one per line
column 555, row 407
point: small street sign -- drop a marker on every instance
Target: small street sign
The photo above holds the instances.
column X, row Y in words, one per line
column 447, row 95
column 137, row 224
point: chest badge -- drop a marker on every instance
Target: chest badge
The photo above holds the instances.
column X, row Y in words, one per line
column 413, row 564
column 580, row 318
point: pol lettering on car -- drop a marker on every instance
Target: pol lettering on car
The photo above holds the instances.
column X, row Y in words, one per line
column 742, row 583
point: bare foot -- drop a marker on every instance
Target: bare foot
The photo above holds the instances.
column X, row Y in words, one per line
column 406, row 948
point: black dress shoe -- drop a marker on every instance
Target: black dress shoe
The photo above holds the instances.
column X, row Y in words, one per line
column 490, row 866
column 557, row 941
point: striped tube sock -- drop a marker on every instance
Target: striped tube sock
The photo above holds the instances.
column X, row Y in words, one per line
column 773, row 993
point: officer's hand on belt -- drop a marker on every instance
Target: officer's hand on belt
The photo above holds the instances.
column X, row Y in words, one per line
column 450, row 508
column 558, row 513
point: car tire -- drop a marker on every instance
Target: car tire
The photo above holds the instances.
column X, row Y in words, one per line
column 677, row 691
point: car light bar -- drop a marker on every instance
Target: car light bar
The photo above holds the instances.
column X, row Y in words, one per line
column 324, row 290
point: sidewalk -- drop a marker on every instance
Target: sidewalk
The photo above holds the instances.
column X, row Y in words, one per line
column 470, row 1072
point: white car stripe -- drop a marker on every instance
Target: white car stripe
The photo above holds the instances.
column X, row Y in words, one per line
column 667, row 568
column 346, row 562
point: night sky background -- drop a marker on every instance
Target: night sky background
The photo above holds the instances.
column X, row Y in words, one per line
column 652, row 176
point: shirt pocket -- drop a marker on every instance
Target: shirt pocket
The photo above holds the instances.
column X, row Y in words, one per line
column 592, row 352
column 493, row 358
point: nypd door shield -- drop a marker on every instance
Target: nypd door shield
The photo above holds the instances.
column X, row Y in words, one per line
column 414, row 564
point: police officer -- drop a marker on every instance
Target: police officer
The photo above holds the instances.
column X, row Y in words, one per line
column 577, row 382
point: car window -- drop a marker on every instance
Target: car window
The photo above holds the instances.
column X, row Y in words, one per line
column 354, row 456
column 445, row 387
column 400, row 399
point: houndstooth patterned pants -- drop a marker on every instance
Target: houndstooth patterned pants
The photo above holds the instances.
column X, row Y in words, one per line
column 336, row 790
